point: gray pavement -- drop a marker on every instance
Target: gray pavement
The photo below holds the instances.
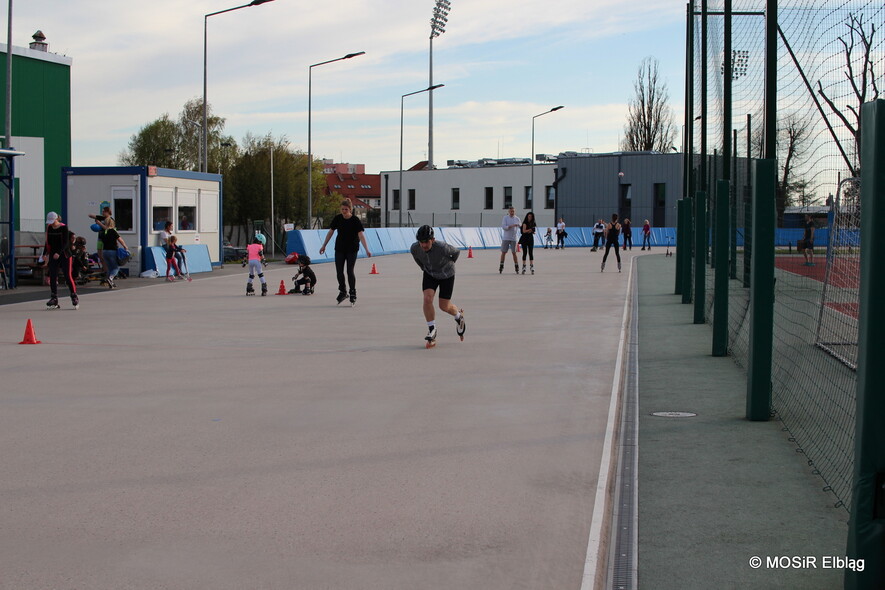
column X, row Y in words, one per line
column 185, row 436
column 716, row 490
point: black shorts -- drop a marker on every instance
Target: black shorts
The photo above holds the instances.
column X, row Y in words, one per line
column 446, row 286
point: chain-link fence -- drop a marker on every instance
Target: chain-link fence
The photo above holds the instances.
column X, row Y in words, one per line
column 830, row 60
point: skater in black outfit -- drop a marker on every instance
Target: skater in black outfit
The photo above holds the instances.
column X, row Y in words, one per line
column 627, row 230
column 57, row 254
column 611, row 240
column 437, row 260
column 347, row 246
column 527, row 240
column 308, row 278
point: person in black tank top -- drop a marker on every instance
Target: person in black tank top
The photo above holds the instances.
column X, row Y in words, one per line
column 612, row 231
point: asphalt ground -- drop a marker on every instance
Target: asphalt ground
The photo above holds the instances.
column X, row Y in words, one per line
column 183, row 435
column 716, row 491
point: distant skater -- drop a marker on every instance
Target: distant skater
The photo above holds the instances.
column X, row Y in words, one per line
column 560, row 234
column 527, row 240
column 646, row 235
column 627, row 230
column 612, row 230
column 437, row 260
column 347, row 245
column 510, row 226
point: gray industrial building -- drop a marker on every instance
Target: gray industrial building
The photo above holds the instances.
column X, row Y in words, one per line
column 635, row 185
column 579, row 187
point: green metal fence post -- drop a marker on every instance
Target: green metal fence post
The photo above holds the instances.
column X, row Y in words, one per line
column 700, row 255
column 687, row 250
column 720, row 285
column 866, row 526
column 680, row 242
column 761, row 292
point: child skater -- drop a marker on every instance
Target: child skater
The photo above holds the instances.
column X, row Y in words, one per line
column 255, row 258
column 308, row 278
column 173, row 250
column 437, row 260
column 548, row 238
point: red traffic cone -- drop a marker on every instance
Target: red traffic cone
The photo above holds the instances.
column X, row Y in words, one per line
column 374, row 270
column 282, row 290
column 518, row 247
column 469, row 251
column 30, row 337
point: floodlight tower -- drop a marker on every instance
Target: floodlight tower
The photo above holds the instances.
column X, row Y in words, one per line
column 437, row 28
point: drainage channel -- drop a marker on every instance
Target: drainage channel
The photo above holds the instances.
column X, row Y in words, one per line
column 625, row 534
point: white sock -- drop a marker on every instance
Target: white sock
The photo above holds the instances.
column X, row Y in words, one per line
column 431, row 324
column 457, row 316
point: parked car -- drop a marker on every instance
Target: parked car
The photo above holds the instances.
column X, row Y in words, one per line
column 233, row 253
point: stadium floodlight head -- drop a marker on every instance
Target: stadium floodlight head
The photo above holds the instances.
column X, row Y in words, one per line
column 440, row 18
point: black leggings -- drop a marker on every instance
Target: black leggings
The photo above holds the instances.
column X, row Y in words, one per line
column 350, row 259
column 528, row 248
column 64, row 263
column 608, row 246
column 628, row 241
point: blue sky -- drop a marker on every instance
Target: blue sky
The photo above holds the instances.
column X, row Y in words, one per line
column 502, row 62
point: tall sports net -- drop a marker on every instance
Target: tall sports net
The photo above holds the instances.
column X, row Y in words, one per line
column 830, row 59
column 837, row 325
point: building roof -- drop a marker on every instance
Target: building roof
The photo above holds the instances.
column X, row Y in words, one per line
column 355, row 187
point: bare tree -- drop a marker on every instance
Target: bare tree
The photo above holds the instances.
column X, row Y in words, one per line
column 649, row 118
column 862, row 79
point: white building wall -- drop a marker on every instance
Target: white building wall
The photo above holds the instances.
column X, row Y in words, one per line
column 433, row 195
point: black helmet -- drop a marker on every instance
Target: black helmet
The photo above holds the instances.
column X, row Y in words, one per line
column 425, row 232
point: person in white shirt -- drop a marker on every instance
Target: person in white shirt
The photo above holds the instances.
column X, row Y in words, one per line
column 510, row 224
column 560, row 234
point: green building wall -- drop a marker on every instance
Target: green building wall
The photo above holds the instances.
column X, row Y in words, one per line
column 41, row 108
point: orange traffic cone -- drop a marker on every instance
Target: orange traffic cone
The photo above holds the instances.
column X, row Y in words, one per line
column 30, row 337
column 469, row 251
column 282, row 290
column 374, row 271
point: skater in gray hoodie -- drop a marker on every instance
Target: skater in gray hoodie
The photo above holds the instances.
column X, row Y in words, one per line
column 437, row 260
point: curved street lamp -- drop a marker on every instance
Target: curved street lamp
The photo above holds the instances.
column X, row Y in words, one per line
column 533, row 149
column 309, row 153
column 401, row 103
column 204, row 165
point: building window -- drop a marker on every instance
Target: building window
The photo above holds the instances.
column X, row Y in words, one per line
column 159, row 216
column 124, row 215
column 550, row 197
column 490, row 197
column 456, row 198
column 187, row 215
column 411, row 199
column 508, row 197
column 528, row 198
column 396, row 204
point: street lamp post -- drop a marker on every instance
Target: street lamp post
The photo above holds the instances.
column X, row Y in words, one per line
column 401, row 103
column 204, row 165
column 533, row 149
column 437, row 28
column 309, row 153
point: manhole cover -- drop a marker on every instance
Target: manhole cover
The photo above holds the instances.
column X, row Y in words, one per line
column 674, row 414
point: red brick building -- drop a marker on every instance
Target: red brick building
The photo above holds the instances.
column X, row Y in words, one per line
column 351, row 181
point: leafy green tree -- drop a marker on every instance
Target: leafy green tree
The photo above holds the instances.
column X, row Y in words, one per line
column 176, row 144
column 155, row 144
